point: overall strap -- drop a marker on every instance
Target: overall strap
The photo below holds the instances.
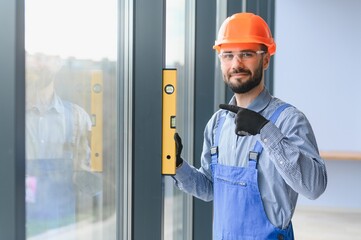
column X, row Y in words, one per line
column 214, row 148
column 68, row 114
column 69, row 128
column 257, row 150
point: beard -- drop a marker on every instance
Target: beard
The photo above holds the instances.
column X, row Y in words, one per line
column 254, row 80
column 38, row 79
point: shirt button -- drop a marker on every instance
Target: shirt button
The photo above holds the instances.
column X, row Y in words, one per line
column 265, row 140
column 281, row 162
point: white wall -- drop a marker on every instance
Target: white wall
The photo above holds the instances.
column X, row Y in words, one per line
column 317, row 69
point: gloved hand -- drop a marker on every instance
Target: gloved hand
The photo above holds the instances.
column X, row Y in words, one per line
column 247, row 121
column 178, row 149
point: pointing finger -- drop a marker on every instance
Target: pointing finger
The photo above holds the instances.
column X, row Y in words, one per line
column 228, row 107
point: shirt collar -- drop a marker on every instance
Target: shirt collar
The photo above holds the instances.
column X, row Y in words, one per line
column 56, row 104
column 259, row 103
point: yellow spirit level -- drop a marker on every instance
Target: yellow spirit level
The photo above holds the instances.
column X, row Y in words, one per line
column 169, row 100
column 97, row 121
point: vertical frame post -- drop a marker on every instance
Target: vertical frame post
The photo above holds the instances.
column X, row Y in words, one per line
column 12, row 121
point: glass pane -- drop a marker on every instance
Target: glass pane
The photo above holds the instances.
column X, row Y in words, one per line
column 177, row 205
column 71, row 119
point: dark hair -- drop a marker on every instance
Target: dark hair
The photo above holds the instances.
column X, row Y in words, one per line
column 264, row 48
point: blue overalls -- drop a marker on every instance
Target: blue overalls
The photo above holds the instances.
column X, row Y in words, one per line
column 238, row 209
column 54, row 199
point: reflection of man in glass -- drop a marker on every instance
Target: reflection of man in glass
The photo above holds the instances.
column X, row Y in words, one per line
column 56, row 147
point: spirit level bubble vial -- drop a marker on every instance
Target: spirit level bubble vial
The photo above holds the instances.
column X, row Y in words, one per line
column 169, row 100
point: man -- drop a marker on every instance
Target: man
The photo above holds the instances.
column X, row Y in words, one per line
column 57, row 148
column 259, row 153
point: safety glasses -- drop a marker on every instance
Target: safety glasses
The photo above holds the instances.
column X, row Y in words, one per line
column 227, row 57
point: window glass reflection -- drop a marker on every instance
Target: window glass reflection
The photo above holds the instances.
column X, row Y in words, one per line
column 71, row 119
column 175, row 205
column 57, row 146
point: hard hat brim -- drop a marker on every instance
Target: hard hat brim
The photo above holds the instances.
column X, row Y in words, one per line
column 271, row 46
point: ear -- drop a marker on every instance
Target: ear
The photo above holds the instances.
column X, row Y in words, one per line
column 266, row 60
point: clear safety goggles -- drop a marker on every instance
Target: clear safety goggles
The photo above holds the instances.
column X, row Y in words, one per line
column 228, row 57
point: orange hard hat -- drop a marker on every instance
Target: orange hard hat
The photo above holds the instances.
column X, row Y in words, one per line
column 245, row 28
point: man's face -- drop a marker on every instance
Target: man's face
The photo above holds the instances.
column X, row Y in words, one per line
column 242, row 66
column 41, row 70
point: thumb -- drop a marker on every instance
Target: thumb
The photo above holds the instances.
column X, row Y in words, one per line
column 231, row 108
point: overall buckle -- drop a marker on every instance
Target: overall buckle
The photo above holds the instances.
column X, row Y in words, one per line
column 214, row 151
column 253, row 156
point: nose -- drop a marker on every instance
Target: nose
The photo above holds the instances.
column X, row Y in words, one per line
column 237, row 61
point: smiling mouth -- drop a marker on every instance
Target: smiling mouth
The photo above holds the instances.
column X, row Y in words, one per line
column 242, row 74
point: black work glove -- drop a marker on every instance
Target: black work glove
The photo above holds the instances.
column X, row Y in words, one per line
column 178, row 149
column 247, row 121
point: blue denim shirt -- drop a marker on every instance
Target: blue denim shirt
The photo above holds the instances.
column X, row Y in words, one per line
column 289, row 164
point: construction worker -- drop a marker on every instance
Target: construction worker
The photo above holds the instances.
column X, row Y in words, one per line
column 259, row 152
column 57, row 151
